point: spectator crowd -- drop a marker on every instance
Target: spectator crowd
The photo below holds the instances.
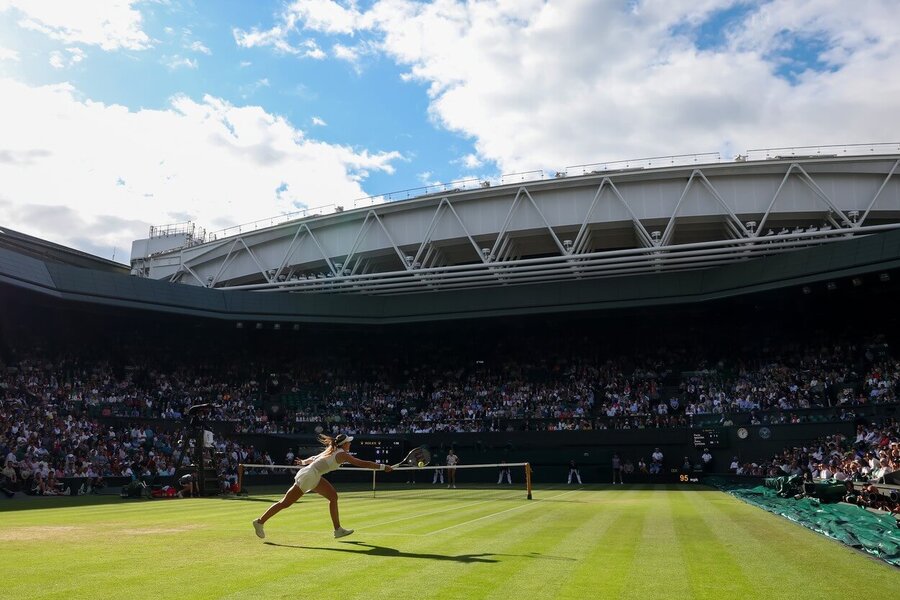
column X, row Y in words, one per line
column 54, row 407
column 47, row 435
column 861, row 462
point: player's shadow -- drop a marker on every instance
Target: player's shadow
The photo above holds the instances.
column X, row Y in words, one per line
column 250, row 499
column 373, row 550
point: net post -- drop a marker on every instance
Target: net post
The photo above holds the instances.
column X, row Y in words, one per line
column 240, row 479
column 528, row 479
column 373, row 482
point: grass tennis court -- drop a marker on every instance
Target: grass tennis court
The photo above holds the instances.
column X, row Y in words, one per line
column 585, row 542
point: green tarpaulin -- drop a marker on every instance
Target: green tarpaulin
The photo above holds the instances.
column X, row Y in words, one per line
column 875, row 533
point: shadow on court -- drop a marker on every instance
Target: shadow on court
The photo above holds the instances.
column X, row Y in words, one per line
column 251, row 499
column 361, row 548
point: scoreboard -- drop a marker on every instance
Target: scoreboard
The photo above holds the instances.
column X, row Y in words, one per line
column 707, row 438
column 388, row 452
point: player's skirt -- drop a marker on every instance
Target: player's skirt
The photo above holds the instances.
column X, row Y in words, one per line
column 307, row 479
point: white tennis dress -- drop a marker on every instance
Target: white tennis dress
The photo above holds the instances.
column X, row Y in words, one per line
column 309, row 476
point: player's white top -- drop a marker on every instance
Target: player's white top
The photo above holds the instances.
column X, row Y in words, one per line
column 452, row 460
column 325, row 464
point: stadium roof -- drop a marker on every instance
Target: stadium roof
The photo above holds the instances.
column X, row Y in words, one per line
column 54, row 253
column 871, row 255
column 597, row 225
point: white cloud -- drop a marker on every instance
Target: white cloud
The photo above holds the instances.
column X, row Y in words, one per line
column 198, row 46
column 539, row 84
column 325, row 15
column 471, row 161
column 319, row 122
column 7, row 54
column 60, row 60
column 109, row 24
column 347, row 53
column 274, row 37
column 354, row 54
column 255, row 37
column 250, row 89
column 180, row 62
column 545, row 85
column 77, row 54
column 95, row 176
column 313, row 50
column 316, row 15
column 56, row 60
column 277, row 38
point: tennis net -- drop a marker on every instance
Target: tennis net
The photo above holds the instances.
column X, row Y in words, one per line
column 401, row 480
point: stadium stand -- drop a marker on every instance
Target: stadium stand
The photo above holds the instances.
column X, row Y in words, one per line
column 583, row 385
column 795, row 385
column 53, row 405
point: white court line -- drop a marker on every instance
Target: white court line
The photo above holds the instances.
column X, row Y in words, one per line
column 495, row 514
column 366, row 531
column 425, row 514
column 367, row 528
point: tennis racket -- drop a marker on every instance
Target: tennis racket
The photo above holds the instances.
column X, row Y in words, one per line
column 417, row 455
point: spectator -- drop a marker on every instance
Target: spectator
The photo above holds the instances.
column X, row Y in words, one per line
column 616, row 469
column 504, row 472
column 189, row 486
column 706, row 460
column 8, row 480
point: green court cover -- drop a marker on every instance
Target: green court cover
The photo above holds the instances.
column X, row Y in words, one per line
column 875, row 533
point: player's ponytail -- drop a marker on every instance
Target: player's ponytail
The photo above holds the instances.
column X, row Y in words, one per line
column 332, row 443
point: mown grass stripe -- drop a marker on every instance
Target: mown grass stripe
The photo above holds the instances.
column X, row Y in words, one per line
column 557, row 561
column 512, row 540
column 712, row 570
column 658, row 570
column 488, row 516
column 424, row 509
column 613, row 551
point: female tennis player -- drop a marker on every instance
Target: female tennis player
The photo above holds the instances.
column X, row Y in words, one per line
column 309, row 479
column 452, row 461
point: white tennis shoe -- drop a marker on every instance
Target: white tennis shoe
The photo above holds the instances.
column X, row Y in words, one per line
column 341, row 532
column 259, row 527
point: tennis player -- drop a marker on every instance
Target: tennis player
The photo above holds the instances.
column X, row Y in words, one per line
column 452, row 461
column 309, row 479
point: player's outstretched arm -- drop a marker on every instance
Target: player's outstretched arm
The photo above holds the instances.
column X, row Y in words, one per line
column 364, row 464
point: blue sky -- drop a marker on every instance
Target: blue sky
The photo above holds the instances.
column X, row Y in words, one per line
column 195, row 54
column 121, row 114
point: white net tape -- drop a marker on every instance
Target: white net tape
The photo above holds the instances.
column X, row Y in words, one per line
column 428, row 468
